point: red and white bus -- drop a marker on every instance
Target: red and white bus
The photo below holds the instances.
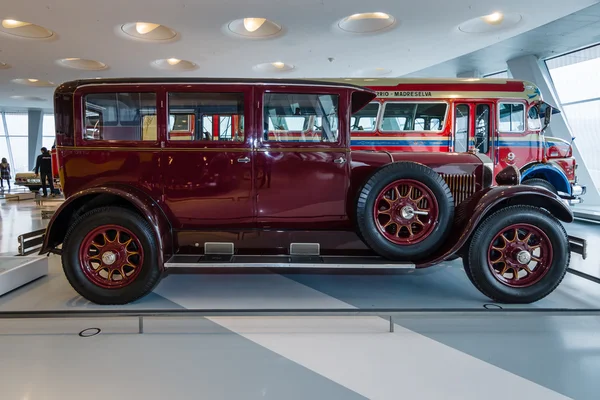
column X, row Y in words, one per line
column 503, row 119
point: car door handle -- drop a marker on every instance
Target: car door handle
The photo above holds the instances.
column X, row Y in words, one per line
column 243, row 160
column 339, row 160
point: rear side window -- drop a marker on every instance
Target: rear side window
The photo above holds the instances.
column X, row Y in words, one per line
column 292, row 117
column 420, row 117
column 120, row 116
column 206, row 117
column 512, row 117
column 365, row 120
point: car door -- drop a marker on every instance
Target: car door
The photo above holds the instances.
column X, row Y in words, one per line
column 301, row 167
column 207, row 156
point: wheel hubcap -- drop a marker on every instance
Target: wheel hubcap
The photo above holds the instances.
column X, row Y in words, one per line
column 111, row 256
column 520, row 255
column 405, row 212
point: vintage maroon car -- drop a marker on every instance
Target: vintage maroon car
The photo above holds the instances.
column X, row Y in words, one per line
column 162, row 173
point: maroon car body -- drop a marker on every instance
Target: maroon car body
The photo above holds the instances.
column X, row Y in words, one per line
column 261, row 195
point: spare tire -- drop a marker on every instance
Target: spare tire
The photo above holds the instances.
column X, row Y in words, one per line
column 405, row 211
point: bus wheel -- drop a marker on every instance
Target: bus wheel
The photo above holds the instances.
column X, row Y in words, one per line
column 519, row 254
column 405, row 211
column 110, row 256
column 540, row 183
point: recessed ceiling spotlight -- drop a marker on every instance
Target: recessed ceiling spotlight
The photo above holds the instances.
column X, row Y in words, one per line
column 494, row 22
column 174, row 64
column 369, row 72
column 371, row 22
column 4, row 65
column 25, row 29
column 33, row 82
column 253, row 28
column 81, row 63
column 494, row 18
column 28, row 98
column 277, row 66
column 148, row 31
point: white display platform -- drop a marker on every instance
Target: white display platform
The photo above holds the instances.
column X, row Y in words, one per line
column 20, row 196
column 17, row 271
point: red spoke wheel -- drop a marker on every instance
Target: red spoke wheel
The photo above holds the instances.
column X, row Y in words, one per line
column 111, row 256
column 519, row 254
column 114, row 262
column 406, row 212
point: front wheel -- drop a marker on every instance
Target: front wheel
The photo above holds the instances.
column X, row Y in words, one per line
column 519, row 254
column 110, row 256
column 541, row 183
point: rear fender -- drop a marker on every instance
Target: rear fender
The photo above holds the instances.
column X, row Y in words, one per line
column 121, row 195
column 471, row 213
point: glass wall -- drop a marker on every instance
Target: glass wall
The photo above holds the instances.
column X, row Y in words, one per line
column 576, row 78
column 17, row 133
column 48, row 134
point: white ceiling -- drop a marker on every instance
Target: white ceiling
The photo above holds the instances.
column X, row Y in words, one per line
column 571, row 32
column 426, row 35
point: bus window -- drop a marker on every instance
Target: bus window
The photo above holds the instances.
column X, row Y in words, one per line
column 482, row 128
column 461, row 128
column 420, row 117
column 533, row 119
column 365, row 119
column 512, row 117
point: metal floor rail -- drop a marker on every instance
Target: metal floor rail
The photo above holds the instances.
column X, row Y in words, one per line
column 386, row 313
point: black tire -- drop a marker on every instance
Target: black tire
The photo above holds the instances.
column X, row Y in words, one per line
column 480, row 273
column 540, row 183
column 378, row 182
column 144, row 282
column 35, row 189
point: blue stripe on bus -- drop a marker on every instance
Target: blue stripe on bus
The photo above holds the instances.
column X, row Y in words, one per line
column 426, row 143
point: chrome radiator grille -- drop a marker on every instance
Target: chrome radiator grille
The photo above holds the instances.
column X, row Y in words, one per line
column 462, row 186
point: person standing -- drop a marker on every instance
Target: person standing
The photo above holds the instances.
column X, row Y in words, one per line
column 4, row 173
column 43, row 165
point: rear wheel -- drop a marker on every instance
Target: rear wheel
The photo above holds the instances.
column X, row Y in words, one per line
column 541, row 183
column 110, row 256
column 519, row 254
column 405, row 211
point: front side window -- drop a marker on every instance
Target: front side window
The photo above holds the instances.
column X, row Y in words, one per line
column 420, row 117
column 206, row 117
column 461, row 127
column 482, row 128
column 120, row 116
column 365, row 120
column 292, row 117
column 533, row 119
column 511, row 117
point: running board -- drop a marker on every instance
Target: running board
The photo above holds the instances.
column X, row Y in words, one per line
column 308, row 261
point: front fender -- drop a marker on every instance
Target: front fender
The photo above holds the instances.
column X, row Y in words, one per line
column 117, row 194
column 471, row 213
column 551, row 173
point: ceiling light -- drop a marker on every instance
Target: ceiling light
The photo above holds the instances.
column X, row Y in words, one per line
column 494, row 18
column 253, row 28
column 145, row 27
column 13, row 23
column 252, row 24
column 370, row 72
column 276, row 66
column 33, row 82
column 491, row 23
column 147, row 31
column 174, row 64
column 367, row 22
column 81, row 63
column 24, row 29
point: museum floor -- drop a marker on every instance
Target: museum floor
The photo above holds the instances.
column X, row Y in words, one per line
column 426, row 357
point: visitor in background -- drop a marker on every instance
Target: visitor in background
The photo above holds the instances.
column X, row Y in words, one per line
column 4, row 173
column 43, row 165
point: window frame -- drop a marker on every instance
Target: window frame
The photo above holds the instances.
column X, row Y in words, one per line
column 343, row 120
column 79, row 101
column 377, row 119
column 525, row 111
column 385, row 104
